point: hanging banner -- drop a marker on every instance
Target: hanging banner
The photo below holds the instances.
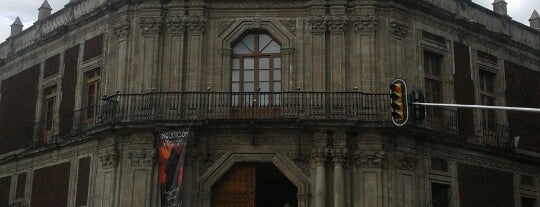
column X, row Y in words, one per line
column 171, row 155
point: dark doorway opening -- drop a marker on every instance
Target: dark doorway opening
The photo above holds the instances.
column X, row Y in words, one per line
column 254, row 185
column 440, row 195
column 273, row 188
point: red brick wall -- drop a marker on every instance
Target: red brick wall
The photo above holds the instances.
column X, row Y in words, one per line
column 21, row 185
column 5, row 184
column 522, row 90
column 50, row 186
column 464, row 88
column 17, row 109
column 480, row 186
column 82, row 182
column 69, row 82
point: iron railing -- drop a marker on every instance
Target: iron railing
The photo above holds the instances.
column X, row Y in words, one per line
column 165, row 106
column 441, row 120
column 187, row 106
column 496, row 135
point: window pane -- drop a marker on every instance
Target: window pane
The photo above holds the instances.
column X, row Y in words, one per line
column 264, row 63
column 249, row 64
column 236, row 75
column 264, row 39
column 235, row 87
column 264, row 75
column 241, row 49
column 249, row 87
column 273, row 47
column 249, row 75
column 277, row 75
column 277, row 86
column 236, row 63
column 277, row 62
column 249, row 42
column 264, row 86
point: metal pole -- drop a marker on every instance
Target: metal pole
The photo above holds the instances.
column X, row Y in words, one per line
column 506, row 108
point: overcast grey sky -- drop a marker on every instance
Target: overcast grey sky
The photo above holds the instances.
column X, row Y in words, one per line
column 519, row 10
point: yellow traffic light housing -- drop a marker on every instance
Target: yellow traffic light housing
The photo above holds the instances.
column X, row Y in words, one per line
column 398, row 99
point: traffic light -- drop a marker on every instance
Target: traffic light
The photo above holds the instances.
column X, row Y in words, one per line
column 418, row 111
column 398, row 97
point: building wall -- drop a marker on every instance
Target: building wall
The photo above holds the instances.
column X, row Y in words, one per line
column 334, row 46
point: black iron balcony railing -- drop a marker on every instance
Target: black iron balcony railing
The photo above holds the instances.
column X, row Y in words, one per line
column 496, row 135
column 188, row 106
column 259, row 105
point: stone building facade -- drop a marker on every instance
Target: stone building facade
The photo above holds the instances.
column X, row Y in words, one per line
column 286, row 102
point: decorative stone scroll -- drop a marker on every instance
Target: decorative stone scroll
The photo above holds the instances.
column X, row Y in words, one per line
column 319, row 156
column 121, row 27
column 223, row 25
column 397, row 28
column 141, row 158
column 370, row 159
column 150, row 25
column 317, row 24
column 196, row 24
column 176, row 24
column 364, row 23
column 339, row 155
column 405, row 162
column 108, row 159
column 300, row 160
column 290, row 24
column 337, row 24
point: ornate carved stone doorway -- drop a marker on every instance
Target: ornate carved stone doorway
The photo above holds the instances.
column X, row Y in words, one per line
column 277, row 179
column 253, row 185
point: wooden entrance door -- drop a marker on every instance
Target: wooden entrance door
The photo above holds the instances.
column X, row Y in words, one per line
column 235, row 188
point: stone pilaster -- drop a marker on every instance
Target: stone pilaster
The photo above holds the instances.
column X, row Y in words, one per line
column 317, row 27
column 337, row 26
column 150, row 27
column 172, row 77
column 339, row 154
column 121, row 30
column 363, row 74
column 196, row 26
column 319, row 155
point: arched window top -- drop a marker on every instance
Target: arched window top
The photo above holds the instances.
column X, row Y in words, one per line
column 256, row 43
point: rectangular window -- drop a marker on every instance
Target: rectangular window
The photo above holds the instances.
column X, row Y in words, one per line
column 92, row 93
column 49, row 104
column 487, row 97
column 433, row 87
column 440, row 195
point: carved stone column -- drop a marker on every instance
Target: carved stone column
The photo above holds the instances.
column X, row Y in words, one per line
column 339, row 153
column 107, row 178
column 316, row 79
column 121, row 30
column 196, row 27
column 319, row 156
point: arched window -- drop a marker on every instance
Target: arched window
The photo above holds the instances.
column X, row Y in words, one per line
column 256, row 68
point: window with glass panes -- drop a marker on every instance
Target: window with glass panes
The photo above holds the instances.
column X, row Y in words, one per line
column 49, row 102
column 256, row 69
column 433, row 81
column 92, row 93
column 487, row 96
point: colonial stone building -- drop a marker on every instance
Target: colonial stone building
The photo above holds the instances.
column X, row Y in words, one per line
column 286, row 102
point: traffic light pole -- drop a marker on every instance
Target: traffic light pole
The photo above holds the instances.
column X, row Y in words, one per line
column 505, row 108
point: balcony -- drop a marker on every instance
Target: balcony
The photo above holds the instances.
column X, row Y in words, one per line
column 173, row 107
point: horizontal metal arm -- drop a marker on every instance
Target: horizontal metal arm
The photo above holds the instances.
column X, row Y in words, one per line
column 506, row 108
